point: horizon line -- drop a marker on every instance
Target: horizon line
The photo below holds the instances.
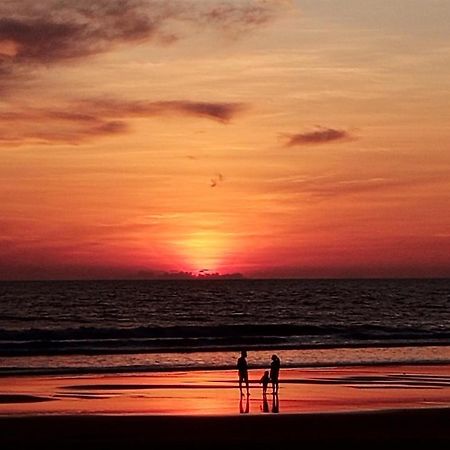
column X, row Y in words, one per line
column 227, row 277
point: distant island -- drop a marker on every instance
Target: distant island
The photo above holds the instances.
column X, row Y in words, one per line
column 180, row 275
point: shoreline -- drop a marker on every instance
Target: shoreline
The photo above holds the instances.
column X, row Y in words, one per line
column 19, row 372
column 142, row 363
column 437, row 342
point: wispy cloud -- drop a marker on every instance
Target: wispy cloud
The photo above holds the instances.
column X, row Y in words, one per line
column 84, row 120
column 320, row 136
column 323, row 187
column 242, row 15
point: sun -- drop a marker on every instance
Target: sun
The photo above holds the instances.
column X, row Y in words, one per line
column 204, row 250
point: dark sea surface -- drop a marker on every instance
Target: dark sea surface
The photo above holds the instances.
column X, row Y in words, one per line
column 94, row 323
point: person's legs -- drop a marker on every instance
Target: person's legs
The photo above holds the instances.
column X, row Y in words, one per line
column 243, row 378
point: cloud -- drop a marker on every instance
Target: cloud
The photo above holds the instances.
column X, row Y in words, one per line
column 53, row 126
column 85, row 120
column 319, row 136
column 219, row 111
column 38, row 35
column 54, row 31
column 323, row 187
column 231, row 15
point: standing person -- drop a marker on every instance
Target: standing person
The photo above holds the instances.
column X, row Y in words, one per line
column 274, row 373
column 243, row 371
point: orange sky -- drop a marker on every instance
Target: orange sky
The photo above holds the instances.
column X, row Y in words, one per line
column 283, row 138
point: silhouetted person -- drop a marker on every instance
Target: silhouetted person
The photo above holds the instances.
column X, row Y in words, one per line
column 265, row 403
column 275, row 373
column 247, row 405
column 243, row 371
column 265, row 381
column 275, row 403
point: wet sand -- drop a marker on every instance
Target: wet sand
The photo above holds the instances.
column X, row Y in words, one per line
column 345, row 404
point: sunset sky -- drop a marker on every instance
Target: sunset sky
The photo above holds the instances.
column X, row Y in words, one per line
column 275, row 138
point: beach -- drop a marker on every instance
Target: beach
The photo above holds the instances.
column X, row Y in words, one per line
column 114, row 364
column 387, row 403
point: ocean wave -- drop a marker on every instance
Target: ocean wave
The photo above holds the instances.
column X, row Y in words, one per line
column 90, row 340
column 270, row 330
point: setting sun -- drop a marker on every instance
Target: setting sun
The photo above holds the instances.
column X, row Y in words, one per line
column 204, row 251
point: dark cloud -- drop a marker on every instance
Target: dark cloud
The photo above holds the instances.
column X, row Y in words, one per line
column 84, row 120
column 319, row 136
column 40, row 40
column 50, row 31
column 220, row 111
column 59, row 30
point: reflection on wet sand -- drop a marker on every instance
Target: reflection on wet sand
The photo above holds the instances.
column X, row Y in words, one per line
column 265, row 403
column 214, row 392
column 275, row 404
column 246, row 409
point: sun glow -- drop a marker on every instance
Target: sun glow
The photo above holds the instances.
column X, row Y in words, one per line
column 204, row 250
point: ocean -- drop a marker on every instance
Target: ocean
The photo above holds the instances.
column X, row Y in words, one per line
column 121, row 326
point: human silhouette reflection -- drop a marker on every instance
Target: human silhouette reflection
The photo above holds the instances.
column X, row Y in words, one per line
column 265, row 403
column 246, row 409
column 275, row 403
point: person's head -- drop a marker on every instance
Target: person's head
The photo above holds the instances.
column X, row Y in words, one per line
column 266, row 373
column 244, row 353
column 274, row 357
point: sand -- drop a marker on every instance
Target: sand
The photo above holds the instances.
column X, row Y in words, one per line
column 386, row 404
